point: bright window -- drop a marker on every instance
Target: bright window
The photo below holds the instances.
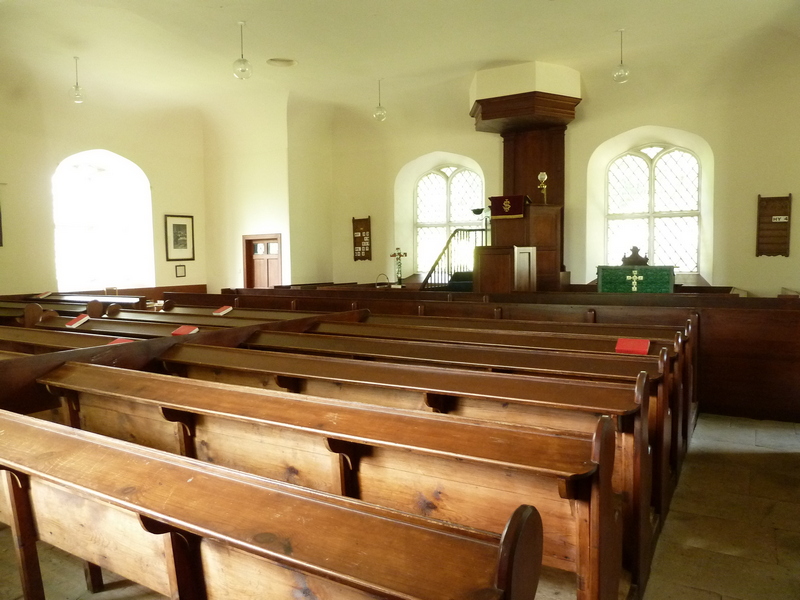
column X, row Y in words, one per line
column 445, row 200
column 653, row 202
column 103, row 223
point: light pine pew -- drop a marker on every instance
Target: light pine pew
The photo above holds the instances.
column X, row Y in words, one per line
column 557, row 337
column 664, row 332
column 572, row 365
column 330, row 324
column 192, row 531
column 464, row 471
column 556, row 403
column 629, row 440
column 549, row 307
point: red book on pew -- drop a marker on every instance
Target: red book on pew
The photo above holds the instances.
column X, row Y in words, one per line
column 222, row 310
column 119, row 341
column 632, row 346
column 77, row 321
column 185, row 330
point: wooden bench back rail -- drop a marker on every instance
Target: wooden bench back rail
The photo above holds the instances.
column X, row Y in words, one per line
column 538, row 307
column 206, row 317
column 500, row 359
column 35, row 341
column 164, row 325
column 134, row 509
column 522, row 339
column 139, row 302
column 464, row 470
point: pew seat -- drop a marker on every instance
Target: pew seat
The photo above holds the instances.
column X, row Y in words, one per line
column 191, row 530
column 463, row 471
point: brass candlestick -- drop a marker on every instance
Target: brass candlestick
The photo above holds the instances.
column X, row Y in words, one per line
column 543, row 185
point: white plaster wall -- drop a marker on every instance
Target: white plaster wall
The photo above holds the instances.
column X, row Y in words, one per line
column 369, row 155
column 39, row 127
column 742, row 101
column 310, row 190
column 245, row 140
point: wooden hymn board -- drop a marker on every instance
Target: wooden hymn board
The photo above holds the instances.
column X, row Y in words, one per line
column 362, row 239
column 774, row 222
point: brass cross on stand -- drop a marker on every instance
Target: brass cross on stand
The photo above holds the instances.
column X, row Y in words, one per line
column 398, row 264
column 634, row 278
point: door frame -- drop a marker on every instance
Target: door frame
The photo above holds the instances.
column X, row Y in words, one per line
column 247, row 254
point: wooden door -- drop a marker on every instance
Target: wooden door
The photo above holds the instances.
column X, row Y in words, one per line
column 262, row 260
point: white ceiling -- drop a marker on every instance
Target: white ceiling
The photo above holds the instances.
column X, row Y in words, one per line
column 180, row 50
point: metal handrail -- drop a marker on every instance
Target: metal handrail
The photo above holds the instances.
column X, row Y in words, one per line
column 444, row 266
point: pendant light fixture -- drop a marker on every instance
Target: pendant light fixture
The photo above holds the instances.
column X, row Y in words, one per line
column 379, row 113
column 241, row 66
column 621, row 73
column 76, row 91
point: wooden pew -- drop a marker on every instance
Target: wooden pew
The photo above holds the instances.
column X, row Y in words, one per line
column 534, row 340
column 551, row 402
column 641, row 546
column 632, row 421
column 117, row 328
column 460, row 470
column 687, row 351
column 192, row 531
column 35, row 341
column 554, row 341
column 84, row 299
column 573, row 365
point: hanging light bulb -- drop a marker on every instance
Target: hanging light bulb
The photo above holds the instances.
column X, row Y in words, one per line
column 621, row 73
column 379, row 113
column 241, row 66
column 76, row 91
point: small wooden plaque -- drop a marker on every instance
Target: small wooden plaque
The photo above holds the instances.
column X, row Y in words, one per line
column 774, row 223
column 362, row 239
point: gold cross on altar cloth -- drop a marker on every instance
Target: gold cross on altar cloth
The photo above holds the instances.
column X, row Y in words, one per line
column 634, row 278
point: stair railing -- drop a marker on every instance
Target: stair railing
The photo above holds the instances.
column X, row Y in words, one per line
column 456, row 256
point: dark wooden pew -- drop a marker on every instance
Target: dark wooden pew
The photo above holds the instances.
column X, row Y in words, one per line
column 118, row 328
column 460, row 470
column 191, row 531
column 35, row 341
column 84, row 299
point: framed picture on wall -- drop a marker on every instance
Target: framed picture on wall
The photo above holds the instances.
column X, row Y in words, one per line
column 180, row 237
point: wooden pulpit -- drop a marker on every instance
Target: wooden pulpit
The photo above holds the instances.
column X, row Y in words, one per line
column 516, row 221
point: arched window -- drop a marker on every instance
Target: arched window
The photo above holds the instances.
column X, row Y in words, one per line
column 103, row 223
column 653, row 202
column 444, row 199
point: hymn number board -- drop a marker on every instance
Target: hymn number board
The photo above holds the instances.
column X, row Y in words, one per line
column 774, row 222
column 362, row 239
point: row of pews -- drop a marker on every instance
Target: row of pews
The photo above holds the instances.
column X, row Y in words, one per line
column 364, row 441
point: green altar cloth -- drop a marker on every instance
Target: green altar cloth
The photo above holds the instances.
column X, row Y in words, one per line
column 636, row 279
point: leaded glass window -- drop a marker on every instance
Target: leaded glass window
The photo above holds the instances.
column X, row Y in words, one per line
column 445, row 199
column 653, row 202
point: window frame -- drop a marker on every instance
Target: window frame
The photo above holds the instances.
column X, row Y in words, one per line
column 448, row 224
column 652, row 215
